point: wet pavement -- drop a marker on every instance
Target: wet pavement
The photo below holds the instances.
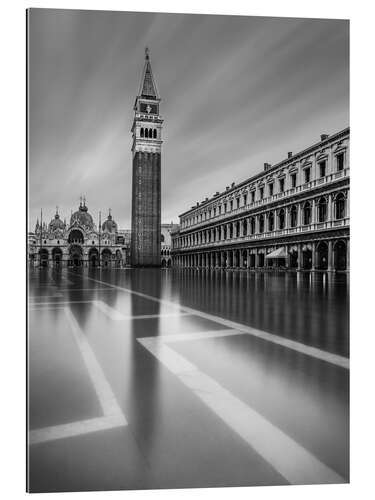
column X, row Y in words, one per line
column 186, row 378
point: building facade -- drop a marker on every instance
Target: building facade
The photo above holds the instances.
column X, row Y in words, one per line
column 146, row 180
column 79, row 243
column 166, row 243
column 292, row 215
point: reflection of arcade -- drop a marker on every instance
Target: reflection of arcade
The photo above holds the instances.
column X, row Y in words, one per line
column 57, row 256
column 75, row 256
column 93, row 257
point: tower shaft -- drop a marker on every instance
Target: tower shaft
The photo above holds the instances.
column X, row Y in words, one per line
column 146, row 175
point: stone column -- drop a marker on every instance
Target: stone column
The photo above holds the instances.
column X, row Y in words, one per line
column 313, row 257
column 300, row 257
column 287, row 258
column 241, row 259
column 330, row 256
column 248, row 258
column 329, row 208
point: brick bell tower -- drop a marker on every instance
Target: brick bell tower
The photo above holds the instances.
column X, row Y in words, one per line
column 146, row 182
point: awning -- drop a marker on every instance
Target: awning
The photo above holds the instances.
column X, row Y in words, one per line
column 279, row 253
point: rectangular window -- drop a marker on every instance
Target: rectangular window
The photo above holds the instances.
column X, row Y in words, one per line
column 225, row 207
column 231, row 205
column 261, row 193
column 219, row 209
column 322, row 168
column 340, row 162
column 307, row 175
column 252, row 196
column 281, row 185
column 238, row 202
column 270, row 189
column 245, row 200
column 293, row 179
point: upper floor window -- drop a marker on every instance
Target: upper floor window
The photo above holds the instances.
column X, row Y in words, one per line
column 293, row 180
column 261, row 223
column 340, row 162
column 252, row 225
column 282, row 185
column 271, row 221
column 322, row 210
column 231, row 205
column 293, row 216
column 245, row 199
column 261, row 193
column 252, row 196
column 225, row 207
column 270, row 189
column 307, row 174
column 142, row 132
column 237, row 203
column 219, row 209
column 307, row 213
column 155, row 133
column 340, row 206
column 322, row 168
column 281, row 219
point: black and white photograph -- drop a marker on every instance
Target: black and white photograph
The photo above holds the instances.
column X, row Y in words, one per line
column 188, row 250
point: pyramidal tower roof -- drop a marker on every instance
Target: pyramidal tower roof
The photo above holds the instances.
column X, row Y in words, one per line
column 148, row 86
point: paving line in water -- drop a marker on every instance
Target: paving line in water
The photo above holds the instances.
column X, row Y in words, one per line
column 296, row 464
column 311, row 351
column 112, row 413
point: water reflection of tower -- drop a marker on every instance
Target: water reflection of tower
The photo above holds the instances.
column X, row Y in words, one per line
column 144, row 374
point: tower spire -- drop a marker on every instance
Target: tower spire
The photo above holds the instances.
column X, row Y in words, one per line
column 148, row 86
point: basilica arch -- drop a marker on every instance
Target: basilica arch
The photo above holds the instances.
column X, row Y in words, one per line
column 75, row 255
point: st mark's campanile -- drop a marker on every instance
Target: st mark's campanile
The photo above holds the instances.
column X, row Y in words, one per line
column 146, row 182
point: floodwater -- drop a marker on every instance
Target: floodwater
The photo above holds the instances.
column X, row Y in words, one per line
column 144, row 379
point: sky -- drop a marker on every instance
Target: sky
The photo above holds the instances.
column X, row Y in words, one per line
column 236, row 92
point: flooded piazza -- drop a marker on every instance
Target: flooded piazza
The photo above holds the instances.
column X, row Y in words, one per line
column 149, row 378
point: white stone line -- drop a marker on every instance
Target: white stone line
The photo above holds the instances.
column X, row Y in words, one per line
column 113, row 416
column 108, row 311
column 314, row 352
column 183, row 337
column 63, row 431
column 296, row 464
column 102, row 388
column 61, row 302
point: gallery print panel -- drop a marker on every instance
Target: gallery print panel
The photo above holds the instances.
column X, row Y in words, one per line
column 188, row 251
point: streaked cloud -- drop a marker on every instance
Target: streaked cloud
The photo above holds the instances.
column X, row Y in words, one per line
column 237, row 92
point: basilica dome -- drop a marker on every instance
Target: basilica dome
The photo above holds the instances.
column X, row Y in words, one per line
column 56, row 223
column 83, row 217
column 109, row 225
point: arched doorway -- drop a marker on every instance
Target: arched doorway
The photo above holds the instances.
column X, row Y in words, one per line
column 76, row 237
column 322, row 255
column 43, row 257
column 118, row 258
column 244, row 258
column 252, row 260
column 106, row 257
column 340, row 255
column 261, row 259
column 163, row 263
column 293, row 259
column 76, row 256
column 306, row 258
column 57, row 256
column 93, row 257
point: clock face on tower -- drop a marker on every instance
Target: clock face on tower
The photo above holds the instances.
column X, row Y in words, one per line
column 149, row 108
